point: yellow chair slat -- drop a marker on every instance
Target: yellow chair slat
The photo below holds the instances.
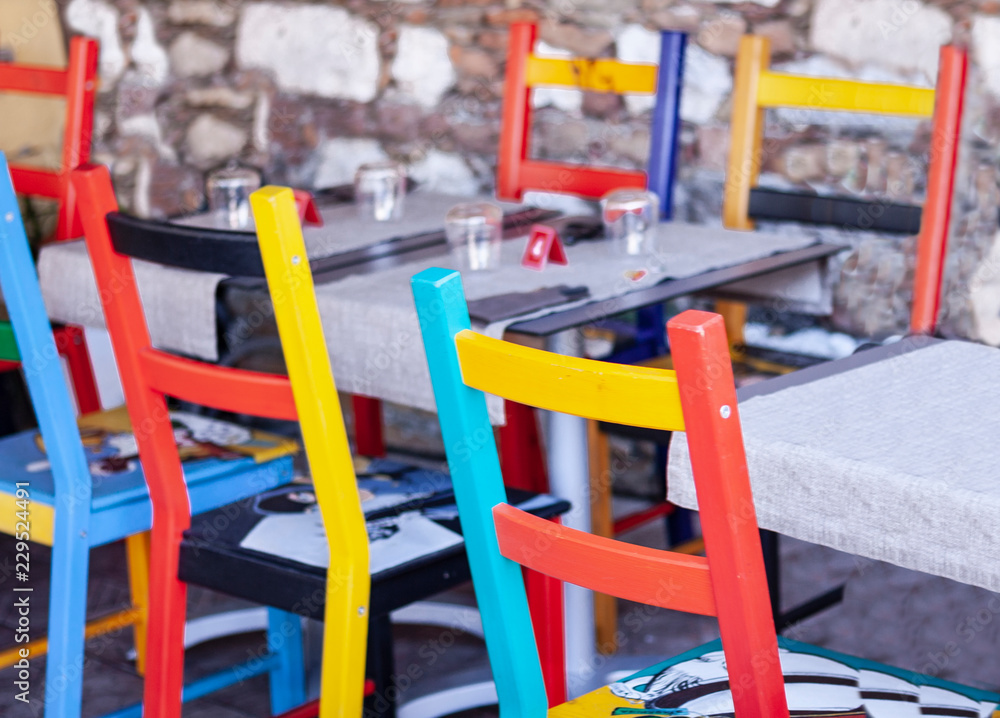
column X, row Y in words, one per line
column 776, row 89
column 617, row 393
column 602, row 75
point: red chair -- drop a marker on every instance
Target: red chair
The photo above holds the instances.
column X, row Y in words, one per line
column 78, row 84
column 148, row 376
column 935, row 220
column 518, row 172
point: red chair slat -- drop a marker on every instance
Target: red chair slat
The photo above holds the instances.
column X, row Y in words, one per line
column 632, row 572
column 37, row 79
column 225, row 388
column 39, row 182
column 728, row 517
column 935, row 222
column 590, row 182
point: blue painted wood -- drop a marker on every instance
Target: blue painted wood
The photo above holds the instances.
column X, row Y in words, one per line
column 70, row 474
column 89, row 513
column 475, row 473
column 18, row 451
column 667, row 121
column 284, row 641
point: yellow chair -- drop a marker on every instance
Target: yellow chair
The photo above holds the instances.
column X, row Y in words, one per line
column 289, row 279
column 756, row 88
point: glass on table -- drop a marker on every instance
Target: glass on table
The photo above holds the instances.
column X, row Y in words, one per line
column 229, row 190
column 630, row 219
column 380, row 190
column 475, row 231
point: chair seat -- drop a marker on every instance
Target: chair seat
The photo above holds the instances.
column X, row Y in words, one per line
column 120, row 498
column 817, row 681
column 275, row 550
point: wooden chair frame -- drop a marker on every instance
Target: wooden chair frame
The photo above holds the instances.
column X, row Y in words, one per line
column 149, row 375
column 699, row 398
column 78, row 84
column 517, row 172
column 348, row 583
column 757, row 88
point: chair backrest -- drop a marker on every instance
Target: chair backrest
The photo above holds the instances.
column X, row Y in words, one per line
column 307, row 394
column 935, row 220
column 41, row 363
column 347, row 586
column 78, row 84
column 699, row 398
column 757, row 88
column 517, row 172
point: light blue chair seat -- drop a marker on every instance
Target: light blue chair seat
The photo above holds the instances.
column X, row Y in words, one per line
column 120, row 501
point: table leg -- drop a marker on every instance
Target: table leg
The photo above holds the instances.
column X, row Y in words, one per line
column 568, row 479
column 382, row 702
column 772, row 567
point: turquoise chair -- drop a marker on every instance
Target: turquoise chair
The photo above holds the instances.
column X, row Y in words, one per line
column 73, row 509
column 751, row 672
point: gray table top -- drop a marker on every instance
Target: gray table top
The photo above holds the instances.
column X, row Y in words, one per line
column 887, row 454
column 368, row 316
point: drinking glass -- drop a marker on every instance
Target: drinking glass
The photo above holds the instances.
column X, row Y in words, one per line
column 474, row 232
column 379, row 191
column 630, row 219
column 229, row 190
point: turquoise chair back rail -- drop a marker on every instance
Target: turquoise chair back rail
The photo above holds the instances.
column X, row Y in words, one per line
column 54, row 411
column 475, row 471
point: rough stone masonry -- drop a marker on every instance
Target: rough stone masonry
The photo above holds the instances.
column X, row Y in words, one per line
column 308, row 90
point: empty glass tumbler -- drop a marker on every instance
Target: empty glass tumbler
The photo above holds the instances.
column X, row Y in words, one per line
column 380, row 190
column 475, row 231
column 630, row 220
column 229, row 190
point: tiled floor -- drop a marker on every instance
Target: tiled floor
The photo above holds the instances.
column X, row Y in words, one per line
column 900, row 617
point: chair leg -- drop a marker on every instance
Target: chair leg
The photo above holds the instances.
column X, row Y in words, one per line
column 288, row 679
column 368, row 425
column 72, row 345
column 67, row 618
column 137, row 551
column 545, row 602
column 165, row 632
column 602, row 524
column 521, row 457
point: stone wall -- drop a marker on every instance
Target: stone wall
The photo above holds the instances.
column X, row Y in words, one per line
column 308, row 90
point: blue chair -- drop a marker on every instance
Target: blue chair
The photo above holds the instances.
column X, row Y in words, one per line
column 81, row 495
